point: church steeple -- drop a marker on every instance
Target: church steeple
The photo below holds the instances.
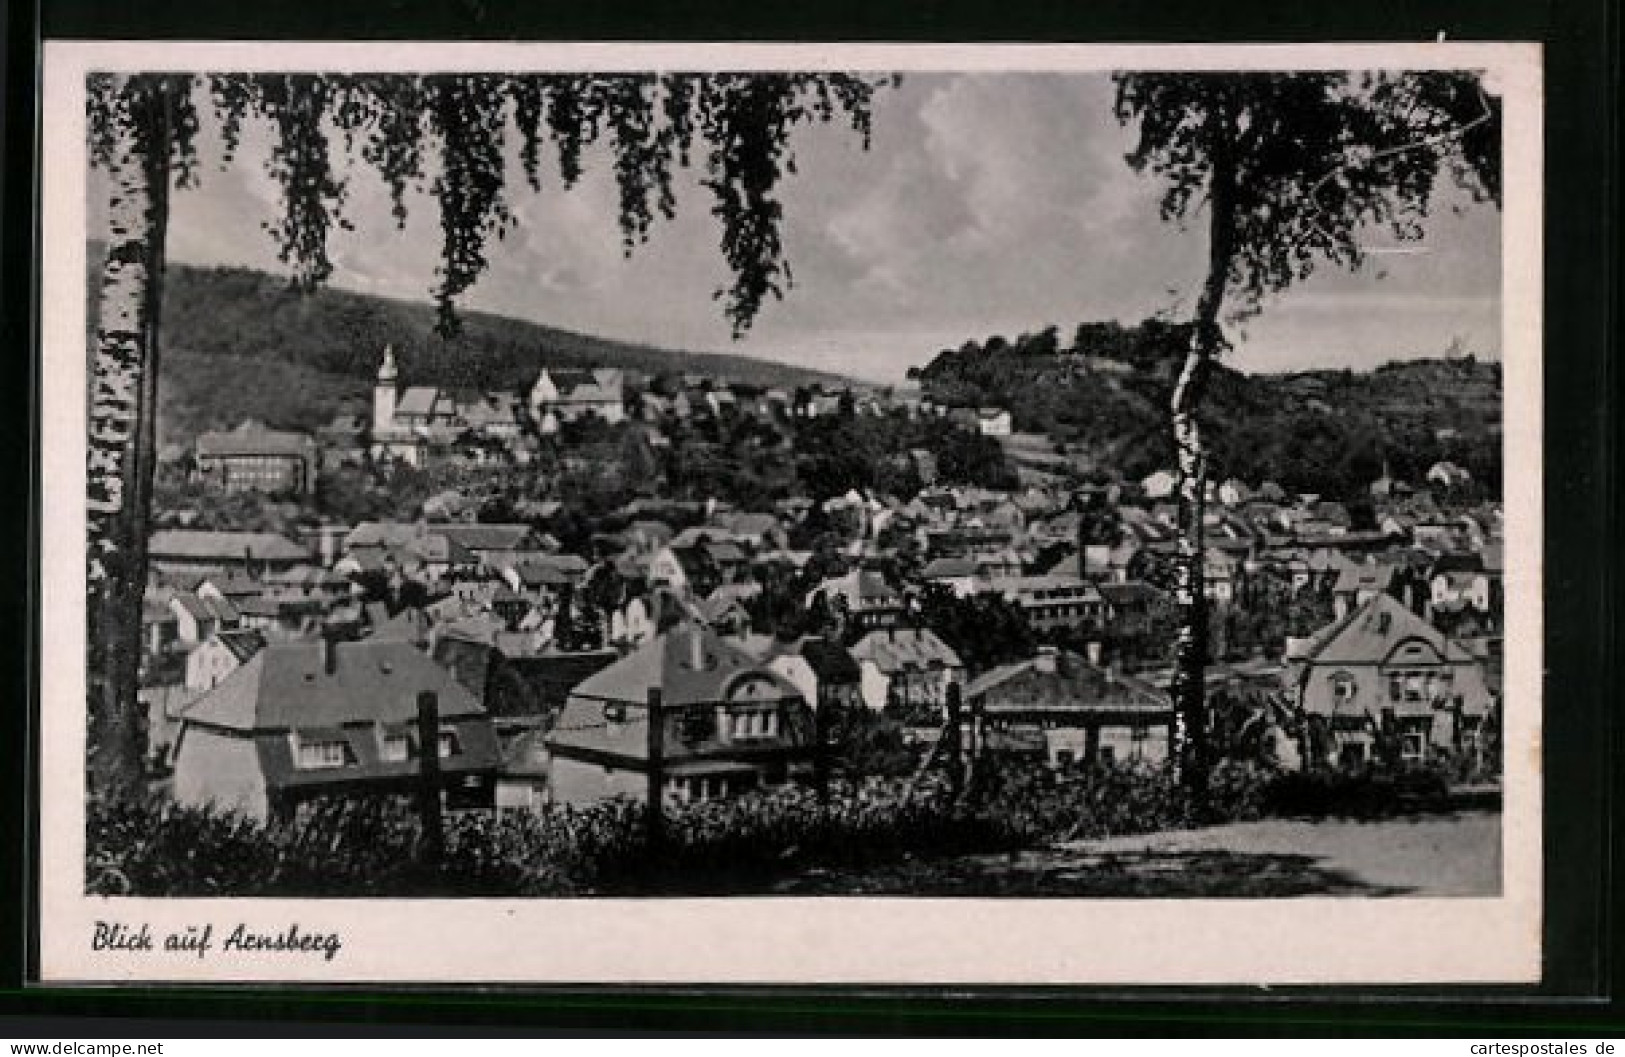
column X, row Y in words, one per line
column 387, row 371
column 383, row 393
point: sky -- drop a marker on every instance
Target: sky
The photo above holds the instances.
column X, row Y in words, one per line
column 988, row 203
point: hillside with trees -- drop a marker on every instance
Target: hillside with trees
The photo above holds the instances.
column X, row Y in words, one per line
column 1104, row 392
column 240, row 343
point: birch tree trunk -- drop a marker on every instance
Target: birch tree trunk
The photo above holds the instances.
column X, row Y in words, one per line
column 121, row 441
column 1190, row 597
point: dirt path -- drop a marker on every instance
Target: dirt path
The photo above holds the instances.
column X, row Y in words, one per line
column 1428, row 855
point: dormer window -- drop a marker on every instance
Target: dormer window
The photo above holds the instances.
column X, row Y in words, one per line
column 315, row 753
column 396, row 747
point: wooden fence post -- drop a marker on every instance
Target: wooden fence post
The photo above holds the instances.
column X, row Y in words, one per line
column 956, row 763
column 434, row 837
column 657, row 769
column 821, row 705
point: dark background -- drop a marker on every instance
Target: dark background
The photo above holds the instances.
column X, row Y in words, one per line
column 1577, row 999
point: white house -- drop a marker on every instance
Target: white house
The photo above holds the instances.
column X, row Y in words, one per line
column 1159, row 485
column 570, row 395
column 223, row 653
column 1234, row 492
column 993, row 422
column 911, row 663
column 1448, row 475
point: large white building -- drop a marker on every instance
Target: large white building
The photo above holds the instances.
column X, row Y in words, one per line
column 569, row 395
column 407, row 422
column 392, row 437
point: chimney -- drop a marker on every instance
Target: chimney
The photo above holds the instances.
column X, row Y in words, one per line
column 696, row 649
column 1092, row 650
column 1045, row 662
column 330, row 653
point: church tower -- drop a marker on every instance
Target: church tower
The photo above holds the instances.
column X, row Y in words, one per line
column 383, row 394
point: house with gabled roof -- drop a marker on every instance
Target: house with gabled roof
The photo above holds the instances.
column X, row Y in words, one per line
column 483, row 539
column 912, row 667
column 1057, row 603
column 1448, row 475
column 202, row 551
column 424, row 407
column 197, row 617
column 725, row 608
column 219, row 655
column 1382, row 676
column 757, row 531
column 689, row 571
column 823, row 670
column 489, row 414
column 1072, row 710
column 253, row 457
column 646, row 535
column 864, row 595
column 305, row 720
column 570, row 394
column 1357, row 584
column 1134, row 606
column 1463, row 580
column 643, row 616
column 963, row 576
column 728, row 724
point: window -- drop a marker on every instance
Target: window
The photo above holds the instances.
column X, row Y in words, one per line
column 754, row 723
column 448, row 744
column 317, row 754
column 1342, row 688
column 1412, row 746
column 396, row 748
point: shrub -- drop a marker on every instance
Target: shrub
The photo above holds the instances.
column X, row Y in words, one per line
column 372, row 847
column 1035, row 804
column 1238, row 791
column 143, row 848
column 1370, row 793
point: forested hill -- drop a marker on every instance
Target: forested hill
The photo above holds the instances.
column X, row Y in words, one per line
column 238, row 343
column 1104, row 391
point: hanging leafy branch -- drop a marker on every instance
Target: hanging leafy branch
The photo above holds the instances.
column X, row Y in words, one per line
column 1320, row 159
column 457, row 125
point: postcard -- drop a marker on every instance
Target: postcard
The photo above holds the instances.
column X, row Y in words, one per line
column 791, row 514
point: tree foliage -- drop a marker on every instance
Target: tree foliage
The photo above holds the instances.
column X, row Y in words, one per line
column 1294, row 170
column 143, row 131
column 1319, row 161
column 734, row 127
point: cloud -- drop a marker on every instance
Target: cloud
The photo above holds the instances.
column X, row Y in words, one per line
column 990, row 203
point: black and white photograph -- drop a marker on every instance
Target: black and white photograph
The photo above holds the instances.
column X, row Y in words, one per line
column 827, row 514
